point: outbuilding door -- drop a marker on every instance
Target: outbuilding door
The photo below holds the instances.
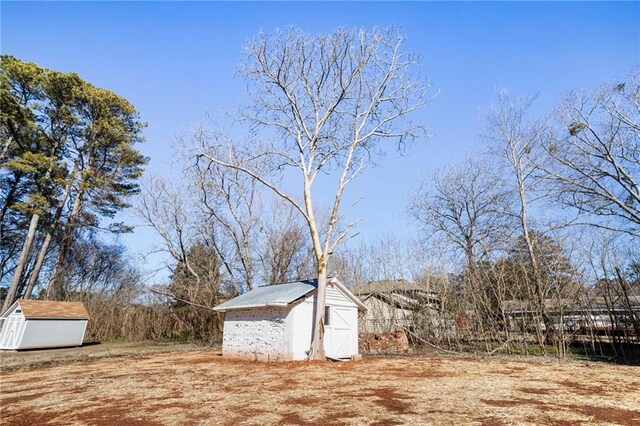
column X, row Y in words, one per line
column 10, row 332
column 341, row 338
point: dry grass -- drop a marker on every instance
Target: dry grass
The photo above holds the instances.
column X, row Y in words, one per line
column 199, row 387
column 37, row 358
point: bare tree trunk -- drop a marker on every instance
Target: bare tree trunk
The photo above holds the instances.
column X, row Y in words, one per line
column 535, row 267
column 317, row 343
column 517, row 141
column 22, row 262
column 624, row 287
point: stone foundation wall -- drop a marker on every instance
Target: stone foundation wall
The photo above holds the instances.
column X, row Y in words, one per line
column 384, row 343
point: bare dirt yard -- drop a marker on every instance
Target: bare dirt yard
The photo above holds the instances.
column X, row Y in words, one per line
column 200, row 387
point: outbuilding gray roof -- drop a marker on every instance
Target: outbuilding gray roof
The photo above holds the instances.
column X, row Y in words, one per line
column 271, row 295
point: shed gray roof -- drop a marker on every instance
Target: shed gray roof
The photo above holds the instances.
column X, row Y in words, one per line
column 271, row 295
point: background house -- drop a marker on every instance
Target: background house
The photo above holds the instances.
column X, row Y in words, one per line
column 393, row 303
column 275, row 323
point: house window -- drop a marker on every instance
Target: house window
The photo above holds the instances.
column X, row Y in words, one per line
column 327, row 316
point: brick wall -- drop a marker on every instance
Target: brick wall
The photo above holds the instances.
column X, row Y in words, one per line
column 394, row 342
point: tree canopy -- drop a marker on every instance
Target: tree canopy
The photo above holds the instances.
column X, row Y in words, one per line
column 68, row 161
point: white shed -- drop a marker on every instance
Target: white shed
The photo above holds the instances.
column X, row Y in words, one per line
column 275, row 323
column 32, row 324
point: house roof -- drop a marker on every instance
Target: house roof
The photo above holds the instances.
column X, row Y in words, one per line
column 400, row 293
column 394, row 286
column 281, row 295
column 50, row 309
column 385, row 286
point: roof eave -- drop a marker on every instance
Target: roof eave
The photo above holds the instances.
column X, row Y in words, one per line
column 258, row 305
column 5, row 314
column 55, row 318
column 333, row 281
column 361, row 306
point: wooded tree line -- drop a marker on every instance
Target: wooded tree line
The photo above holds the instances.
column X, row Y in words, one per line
column 548, row 215
column 69, row 164
column 548, row 208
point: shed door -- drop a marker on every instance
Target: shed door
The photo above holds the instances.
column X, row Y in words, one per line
column 342, row 332
column 9, row 336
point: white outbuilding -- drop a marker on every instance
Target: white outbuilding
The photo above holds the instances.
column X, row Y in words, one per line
column 34, row 324
column 275, row 323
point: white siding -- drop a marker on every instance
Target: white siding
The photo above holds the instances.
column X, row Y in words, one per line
column 257, row 333
column 300, row 324
column 54, row 333
column 335, row 297
column 382, row 317
column 341, row 335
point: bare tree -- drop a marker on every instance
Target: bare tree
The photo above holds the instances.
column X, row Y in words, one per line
column 231, row 207
column 513, row 137
column 285, row 253
column 465, row 204
column 172, row 217
column 325, row 103
column 595, row 165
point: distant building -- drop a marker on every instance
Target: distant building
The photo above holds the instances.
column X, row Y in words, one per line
column 275, row 323
column 394, row 303
column 597, row 315
column 34, row 324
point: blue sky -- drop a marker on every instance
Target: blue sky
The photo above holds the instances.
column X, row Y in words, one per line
column 175, row 61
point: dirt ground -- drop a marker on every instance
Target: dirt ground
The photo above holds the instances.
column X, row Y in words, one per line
column 200, row 387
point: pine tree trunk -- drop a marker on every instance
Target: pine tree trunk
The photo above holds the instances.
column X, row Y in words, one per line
column 33, row 278
column 22, row 262
column 9, row 199
column 26, row 247
column 5, row 148
column 54, row 289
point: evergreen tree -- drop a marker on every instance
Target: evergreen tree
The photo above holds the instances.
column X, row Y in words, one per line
column 68, row 160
